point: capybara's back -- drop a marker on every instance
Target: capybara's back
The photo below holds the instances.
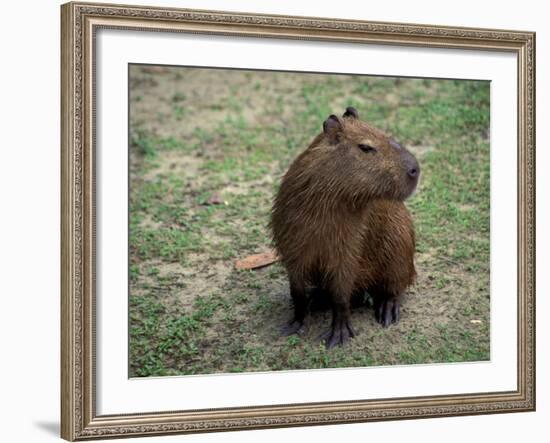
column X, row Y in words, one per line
column 339, row 222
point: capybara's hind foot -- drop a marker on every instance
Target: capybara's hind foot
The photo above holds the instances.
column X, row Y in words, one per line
column 293, row 327
column 388, row 311
column 338, row 334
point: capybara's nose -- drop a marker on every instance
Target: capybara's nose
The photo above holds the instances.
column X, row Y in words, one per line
column 413, row 168
column 414, row 171
column 411, row 165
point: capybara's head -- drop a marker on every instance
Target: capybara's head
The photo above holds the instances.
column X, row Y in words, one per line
column 362, row 162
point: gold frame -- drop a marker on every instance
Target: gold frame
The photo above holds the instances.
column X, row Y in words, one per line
column 79, row 22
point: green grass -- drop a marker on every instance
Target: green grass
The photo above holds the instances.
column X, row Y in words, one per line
column 192, row 312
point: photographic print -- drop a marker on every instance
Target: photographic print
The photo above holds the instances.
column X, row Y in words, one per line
column 290, row 220
column 251, row 210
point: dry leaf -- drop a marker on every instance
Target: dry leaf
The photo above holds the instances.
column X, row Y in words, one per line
column 475, row 322
column 215, row 199
column 257, row 260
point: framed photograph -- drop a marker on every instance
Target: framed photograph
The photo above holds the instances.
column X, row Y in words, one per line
column 277, row 221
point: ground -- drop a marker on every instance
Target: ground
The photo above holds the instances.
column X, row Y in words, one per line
column 207, row 150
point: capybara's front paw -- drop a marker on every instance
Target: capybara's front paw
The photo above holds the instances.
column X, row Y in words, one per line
column 338, row 334
column 388, row 312
column 293, row 327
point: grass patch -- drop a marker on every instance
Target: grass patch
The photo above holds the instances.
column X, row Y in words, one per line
column 200, row 196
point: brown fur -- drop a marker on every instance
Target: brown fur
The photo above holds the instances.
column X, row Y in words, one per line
column 339, row 222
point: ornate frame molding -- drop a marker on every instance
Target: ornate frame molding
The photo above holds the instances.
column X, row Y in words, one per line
column 79, row 420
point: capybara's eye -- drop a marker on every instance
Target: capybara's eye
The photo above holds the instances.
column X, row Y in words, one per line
column 366, row 148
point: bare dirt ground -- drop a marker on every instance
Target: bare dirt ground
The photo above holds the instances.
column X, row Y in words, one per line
column 208, row 148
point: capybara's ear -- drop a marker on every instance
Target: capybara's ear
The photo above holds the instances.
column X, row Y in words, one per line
column 351, row 112
column 332, row 127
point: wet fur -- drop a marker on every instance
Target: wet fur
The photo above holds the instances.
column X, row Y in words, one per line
column 339, row 223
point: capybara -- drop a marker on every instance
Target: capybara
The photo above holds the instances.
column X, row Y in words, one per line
column 339, row 223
